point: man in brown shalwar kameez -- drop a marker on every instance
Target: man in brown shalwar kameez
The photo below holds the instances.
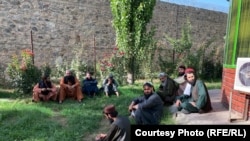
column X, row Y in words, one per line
column 70, row 87
column 44, row 90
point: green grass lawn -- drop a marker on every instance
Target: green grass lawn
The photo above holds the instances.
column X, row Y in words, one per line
column 21, row 119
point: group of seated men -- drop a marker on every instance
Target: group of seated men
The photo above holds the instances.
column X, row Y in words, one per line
column 186, row 93
column 70, row 87
column 90, row 88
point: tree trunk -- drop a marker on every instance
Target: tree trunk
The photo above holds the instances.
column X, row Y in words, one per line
column 131, row 71
column 130, row 78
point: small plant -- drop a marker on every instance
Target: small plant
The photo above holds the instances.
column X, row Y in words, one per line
column 77, row 65
column 3, row 79
column 113, row 63
column 46, row 69
column 23, row 75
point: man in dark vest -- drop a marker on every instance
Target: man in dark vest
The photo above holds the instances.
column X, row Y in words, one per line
column 44, row 90
column 167, row 89
column 198, row 101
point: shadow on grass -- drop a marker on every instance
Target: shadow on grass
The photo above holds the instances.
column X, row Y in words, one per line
column 7, row 94
column 18, row 122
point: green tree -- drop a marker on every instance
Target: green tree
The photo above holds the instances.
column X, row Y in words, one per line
column 202, row 58
column 130, row 19
column 181, row 46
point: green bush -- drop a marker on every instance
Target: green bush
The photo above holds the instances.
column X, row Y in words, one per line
column 23, row 76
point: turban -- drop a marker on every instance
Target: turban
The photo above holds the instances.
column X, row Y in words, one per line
column 149, row 84
column 110, row 75
column 189, row 70
column 109, row 109
column 162, row 74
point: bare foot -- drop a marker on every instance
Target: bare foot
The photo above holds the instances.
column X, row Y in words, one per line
column 117, row 94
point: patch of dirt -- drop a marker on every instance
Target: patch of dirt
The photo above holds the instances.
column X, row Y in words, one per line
column 58, row 118
column 103, row 128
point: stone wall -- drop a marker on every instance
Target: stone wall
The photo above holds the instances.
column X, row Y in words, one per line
column 64, row 29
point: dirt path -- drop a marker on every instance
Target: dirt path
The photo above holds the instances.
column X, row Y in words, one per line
column 87, row 136
column 104, row 125
column 59, row 118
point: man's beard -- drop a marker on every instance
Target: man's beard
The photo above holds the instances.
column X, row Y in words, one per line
column 192, row 82
column 110, row 120
column 181, row 73
column 147, row 95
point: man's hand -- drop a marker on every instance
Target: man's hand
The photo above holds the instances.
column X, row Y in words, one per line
column 177, row 103
column 100, row 136
column 130, row 108
column 70, row 86
column 193, row 103
column 135, row 106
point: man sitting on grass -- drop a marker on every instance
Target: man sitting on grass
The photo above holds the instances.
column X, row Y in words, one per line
column 147, row 109
column 89, row 85
column 70, row 87
column 110, row 86
column 120, row 126
column 44, row 90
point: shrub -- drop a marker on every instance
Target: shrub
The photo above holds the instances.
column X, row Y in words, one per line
column 113, row 62
column 23, row 76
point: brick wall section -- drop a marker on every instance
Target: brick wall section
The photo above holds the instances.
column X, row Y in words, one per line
column 238, row 99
